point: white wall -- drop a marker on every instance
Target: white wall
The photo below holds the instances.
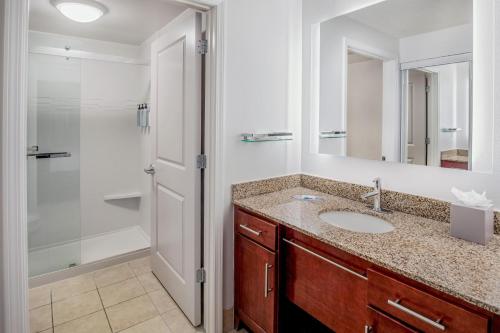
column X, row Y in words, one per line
column 450, row 41
column 404, row 178
column 256, row 97
column 447, row 106
column 484, row 94
column 391, row 133
column 453, row 99
column 111, row 144
column 462, row 106
column 334, row 35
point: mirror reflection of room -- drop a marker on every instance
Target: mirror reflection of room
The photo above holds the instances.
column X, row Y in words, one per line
column 437, row 107
column 395, row 84
column 364, row 106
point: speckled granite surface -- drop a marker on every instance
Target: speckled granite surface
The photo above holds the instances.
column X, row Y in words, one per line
column 249, row 189
column 402, row 202
column 406, row 203
column 418, row 248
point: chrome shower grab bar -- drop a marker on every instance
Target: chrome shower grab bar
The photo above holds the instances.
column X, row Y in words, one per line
column 49, row 155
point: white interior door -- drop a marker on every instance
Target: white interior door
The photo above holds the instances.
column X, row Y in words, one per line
column 176, row 131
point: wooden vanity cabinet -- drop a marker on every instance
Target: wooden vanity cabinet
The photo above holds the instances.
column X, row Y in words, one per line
column 342, row 291
column 255, row 273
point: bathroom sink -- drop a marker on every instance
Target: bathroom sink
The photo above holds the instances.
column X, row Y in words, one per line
column 357, row 222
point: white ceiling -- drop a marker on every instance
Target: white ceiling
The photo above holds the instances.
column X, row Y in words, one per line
column 402, row 18
column 128, row 21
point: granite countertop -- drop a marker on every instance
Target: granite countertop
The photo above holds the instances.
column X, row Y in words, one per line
column 455, row 158
column 418, row 248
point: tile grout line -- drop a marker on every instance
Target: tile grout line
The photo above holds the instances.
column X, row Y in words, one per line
column 38, row 307
column 69, row 321
column 78, row 295
column 104, row 310
column 51, row 310
column 115, row 283
column 146, row 294
column 142, row 322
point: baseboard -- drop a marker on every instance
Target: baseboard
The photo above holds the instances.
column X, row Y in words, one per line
column 86, row 268
column 228, row 320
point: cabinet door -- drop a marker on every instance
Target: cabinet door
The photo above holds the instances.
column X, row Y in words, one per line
column 381, row 323
column 255, row 293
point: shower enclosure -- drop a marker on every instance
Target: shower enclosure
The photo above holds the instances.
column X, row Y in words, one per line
column 88, row 197
column 54, row 232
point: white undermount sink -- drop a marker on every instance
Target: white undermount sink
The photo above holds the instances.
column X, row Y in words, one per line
column 357, row 222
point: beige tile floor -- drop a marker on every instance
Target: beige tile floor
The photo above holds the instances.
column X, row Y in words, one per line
column 124, row 298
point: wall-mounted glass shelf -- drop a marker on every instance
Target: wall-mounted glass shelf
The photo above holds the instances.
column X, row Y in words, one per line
column 332, row 134
column 451, row 130
column 271, row 136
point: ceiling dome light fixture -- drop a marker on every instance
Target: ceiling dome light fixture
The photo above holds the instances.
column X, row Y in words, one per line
column 82, row 11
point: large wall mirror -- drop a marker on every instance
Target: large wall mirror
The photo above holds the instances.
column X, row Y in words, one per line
column 396, row 81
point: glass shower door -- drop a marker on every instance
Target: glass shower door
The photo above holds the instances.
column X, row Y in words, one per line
column 54, row 231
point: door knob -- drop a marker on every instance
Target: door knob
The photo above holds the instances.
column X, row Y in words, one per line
column 150, row 170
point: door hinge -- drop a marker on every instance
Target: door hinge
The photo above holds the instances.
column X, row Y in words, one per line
column 427, row 141
column 427, row 89
column 200, row 275
column 202, row 47
column 201, row 161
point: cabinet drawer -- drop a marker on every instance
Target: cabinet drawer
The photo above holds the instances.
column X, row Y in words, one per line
column 381, row 323
column 255, row 228
column 420, row 309
column 332, row 293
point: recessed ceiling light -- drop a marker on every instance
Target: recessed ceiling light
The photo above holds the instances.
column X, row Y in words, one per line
column 82, row 11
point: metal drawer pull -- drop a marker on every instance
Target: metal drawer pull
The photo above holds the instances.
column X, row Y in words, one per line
column 326, row 259
column 435, row 323
column 266, row 280
column 250, row 230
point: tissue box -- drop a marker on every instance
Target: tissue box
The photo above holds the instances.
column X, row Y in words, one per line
column 471, row 223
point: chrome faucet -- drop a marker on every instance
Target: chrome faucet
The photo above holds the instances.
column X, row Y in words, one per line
column 376, row 194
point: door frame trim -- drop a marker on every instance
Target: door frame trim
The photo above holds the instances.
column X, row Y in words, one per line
column 214, row 173
column 14, row 251
column 14, row 212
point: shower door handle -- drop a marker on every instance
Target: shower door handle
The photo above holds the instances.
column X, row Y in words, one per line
column 49, row 155
column 150, row 170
